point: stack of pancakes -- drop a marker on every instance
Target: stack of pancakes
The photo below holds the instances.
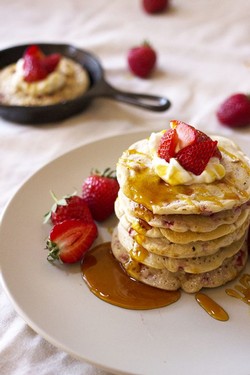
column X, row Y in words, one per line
column 183, row 236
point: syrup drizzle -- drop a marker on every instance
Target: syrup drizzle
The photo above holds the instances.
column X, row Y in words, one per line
column 107, row 280
column 211, row 307
column 241, row 290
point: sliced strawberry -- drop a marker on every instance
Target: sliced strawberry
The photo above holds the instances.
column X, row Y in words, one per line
column 168, row 143
column 195, row 157
column 33, row 69
column 36, row 65
column 217, row 154
column 68, row 207
column 187, row 134
column 34, row 51
column 69, row 240
column 50, row 62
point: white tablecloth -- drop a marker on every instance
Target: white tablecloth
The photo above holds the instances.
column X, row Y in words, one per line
column 203, row 56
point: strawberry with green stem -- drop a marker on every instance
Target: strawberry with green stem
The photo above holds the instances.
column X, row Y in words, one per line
column 100, row 190
column 68, row 207
column 70, row 240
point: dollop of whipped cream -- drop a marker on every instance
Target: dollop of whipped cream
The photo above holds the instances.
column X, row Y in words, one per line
column 52, row 83
column 174, row 174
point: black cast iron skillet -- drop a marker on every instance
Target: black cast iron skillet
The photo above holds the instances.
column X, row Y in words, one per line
column 98, row 88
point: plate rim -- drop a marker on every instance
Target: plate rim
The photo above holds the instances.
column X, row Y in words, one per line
column 134, row 134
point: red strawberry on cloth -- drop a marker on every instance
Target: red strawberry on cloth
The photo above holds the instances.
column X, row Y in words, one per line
column 234, row 112
column 69, row 240
column 68, row 207
column 155, row 6
column 99, row 191
column 142, row 60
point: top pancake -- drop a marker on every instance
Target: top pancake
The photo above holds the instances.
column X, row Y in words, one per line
column 139, row 183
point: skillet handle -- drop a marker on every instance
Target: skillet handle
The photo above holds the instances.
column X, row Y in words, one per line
column 149, row 102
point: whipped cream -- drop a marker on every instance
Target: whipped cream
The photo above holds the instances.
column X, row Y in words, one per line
column 52, row 83
column 174, row 174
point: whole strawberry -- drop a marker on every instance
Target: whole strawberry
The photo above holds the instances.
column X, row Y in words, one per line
column 99, row 191
column 234, row 112
column 142, row 60
column 69, row 240
column 154, row 6
column 68, row 207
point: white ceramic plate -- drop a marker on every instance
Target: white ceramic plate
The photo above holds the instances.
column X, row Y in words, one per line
column 55, row 302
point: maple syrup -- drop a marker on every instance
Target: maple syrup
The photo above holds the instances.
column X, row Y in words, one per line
column 106, row 278
column 211, row 307
column 241, row 290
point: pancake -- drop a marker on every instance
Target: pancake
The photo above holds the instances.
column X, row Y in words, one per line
column 187, row 237
column 162, row 246
column 139, row 183
column 177, row 223
column 189, row 282
column 179, row 229
column 190, row 265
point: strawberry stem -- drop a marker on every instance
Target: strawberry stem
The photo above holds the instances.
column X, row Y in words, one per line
column 108, row 172
column 53, row 251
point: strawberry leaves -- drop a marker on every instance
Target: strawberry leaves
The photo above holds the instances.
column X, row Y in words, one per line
column 68, row 207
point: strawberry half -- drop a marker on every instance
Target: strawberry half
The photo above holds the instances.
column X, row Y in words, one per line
column 99, row 191
column 36, row 65
column 33, row 69
column 187, row 134
column 195, row 157
column 50, row 62
column 69, row 240
column 34, row 51
column 68, row 207
column 168, row 143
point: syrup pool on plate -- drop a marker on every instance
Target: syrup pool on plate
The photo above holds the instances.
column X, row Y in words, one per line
column 107, row 280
